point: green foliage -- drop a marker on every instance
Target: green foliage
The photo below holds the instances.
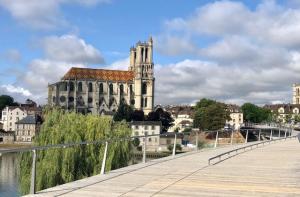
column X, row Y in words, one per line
column 136, row 142
column 6, row 100
column 178, row 147
column 138, row 115
column 255, row 114
column 62, row 165
column 187, row 130
column 210, row 115
column 124, row 113
column 163, row 116
column 201, row 144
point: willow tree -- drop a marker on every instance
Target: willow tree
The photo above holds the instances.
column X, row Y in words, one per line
column 61, row 165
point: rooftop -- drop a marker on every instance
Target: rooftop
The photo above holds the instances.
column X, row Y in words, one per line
column 98, row 74
column 146, row 123
column 29, row 120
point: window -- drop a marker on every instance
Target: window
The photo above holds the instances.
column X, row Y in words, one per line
column 63, row 86
column 132, row 102
column 136, row 133
column 146, row 127
column 130, row 89
column 111, row 89
column 4, row 113
column 152, row 127
column 145, row 102
column 80, row 87
column 149, row 139
column 54, row 99
column 10, row 124
column 136, row 127
column 90, row 87
column 168, row 141
column 62, row 99
column 101, row 88
column 121, row 89
column 17, row 113
column 71, row 85
column 144, row 88
column 90, row 100
column 146, row 54
column 142, row 54
column 71, row 99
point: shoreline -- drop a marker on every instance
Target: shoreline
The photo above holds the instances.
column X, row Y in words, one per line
column 13, row 146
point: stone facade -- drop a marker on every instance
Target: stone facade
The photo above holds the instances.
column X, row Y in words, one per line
column 100, row 91
column 236, row 115
column 296, row 93
column 283, row 111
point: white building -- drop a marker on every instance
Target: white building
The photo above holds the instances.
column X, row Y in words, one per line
column 11, row 115
column 140, row 128
column 182, row 116
column 236, row 115
column 28, row 128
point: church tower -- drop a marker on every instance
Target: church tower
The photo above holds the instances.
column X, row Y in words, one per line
column 141, row 63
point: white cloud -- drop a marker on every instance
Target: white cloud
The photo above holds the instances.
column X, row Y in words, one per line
column 42, row 14
column 18, row 93
column 70, row 48
column 252, row 54
column 122, row 64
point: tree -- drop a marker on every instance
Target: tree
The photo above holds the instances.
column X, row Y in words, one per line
column 255, row 114
column 6, row 100
column 124, row 112
column 210, row 115
column 138, row 115
column 61, row 165
column 163, row 116
column 177, row 148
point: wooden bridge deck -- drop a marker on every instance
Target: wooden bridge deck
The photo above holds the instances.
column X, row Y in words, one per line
column 273, row 170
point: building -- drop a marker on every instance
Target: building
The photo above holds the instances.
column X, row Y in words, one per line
column 100, row 91
column 7, row 137
column 27, row 128
column 183, row 117
column 12, row 114
column 168, row 140
column 236, row 115
column 283, row 112
column 296, row 93
column 142, row 128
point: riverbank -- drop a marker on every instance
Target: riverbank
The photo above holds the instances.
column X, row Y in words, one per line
column 13, row 146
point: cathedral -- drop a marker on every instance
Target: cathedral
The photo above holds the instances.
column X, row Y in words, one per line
column 100, row 91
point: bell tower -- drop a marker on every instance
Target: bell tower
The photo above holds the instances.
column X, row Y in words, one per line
column 141, row 63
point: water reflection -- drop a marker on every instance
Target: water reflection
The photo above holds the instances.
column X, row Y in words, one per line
column 9, row 175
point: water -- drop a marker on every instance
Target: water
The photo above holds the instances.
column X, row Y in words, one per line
column 9, row 175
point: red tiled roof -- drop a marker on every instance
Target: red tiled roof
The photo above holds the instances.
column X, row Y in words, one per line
column 98, row 74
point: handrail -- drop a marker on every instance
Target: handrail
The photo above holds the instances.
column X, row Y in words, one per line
column 244, row 148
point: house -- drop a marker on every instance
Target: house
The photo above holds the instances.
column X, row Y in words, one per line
column 183, row 117
column 236, row 115
column 283, row 112
column 168, row 140
column 12, row 114
column 6, row 137
column 142, row 128
column 28, row 128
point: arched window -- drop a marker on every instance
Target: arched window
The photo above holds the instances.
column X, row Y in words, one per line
column 130, row 89
column 111, row 89
column 90, row 87
column 63, row 86
column 144, row 88
column 121, row 89
column 71, row 85
column 80, row 87
column 142, row 54
column 101, row 88
column 145, row 102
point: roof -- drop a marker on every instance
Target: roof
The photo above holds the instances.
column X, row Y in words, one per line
column 98, row 74
column 288, row 108
column 29, row 120
column 146, row 123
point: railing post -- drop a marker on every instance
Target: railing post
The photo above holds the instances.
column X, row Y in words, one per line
column 104, row 159
column 197, row 141
column 174, row 146
column 259, row 134
column 216, row 142
column 271, row 136
column 33, row 171
column 279, row 132
column 144, row 148
column 246, row 140
column 285, row 133
column 231, row 138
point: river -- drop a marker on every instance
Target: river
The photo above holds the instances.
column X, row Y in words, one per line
column 9, row 175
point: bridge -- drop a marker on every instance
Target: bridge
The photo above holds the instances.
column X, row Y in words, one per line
column 260, row 169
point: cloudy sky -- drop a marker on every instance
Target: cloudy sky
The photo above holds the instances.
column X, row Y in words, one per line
column 232, row 51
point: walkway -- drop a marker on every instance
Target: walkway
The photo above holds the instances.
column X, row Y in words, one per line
column 273, row 170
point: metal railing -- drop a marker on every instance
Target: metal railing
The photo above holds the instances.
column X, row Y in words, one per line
column 229, row 154
column 106, row 142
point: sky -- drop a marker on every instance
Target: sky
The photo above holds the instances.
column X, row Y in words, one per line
column 231, row 51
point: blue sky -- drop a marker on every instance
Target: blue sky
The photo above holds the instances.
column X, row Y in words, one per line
column 226, row 50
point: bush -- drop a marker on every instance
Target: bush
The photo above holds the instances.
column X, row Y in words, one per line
column 178, row 147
